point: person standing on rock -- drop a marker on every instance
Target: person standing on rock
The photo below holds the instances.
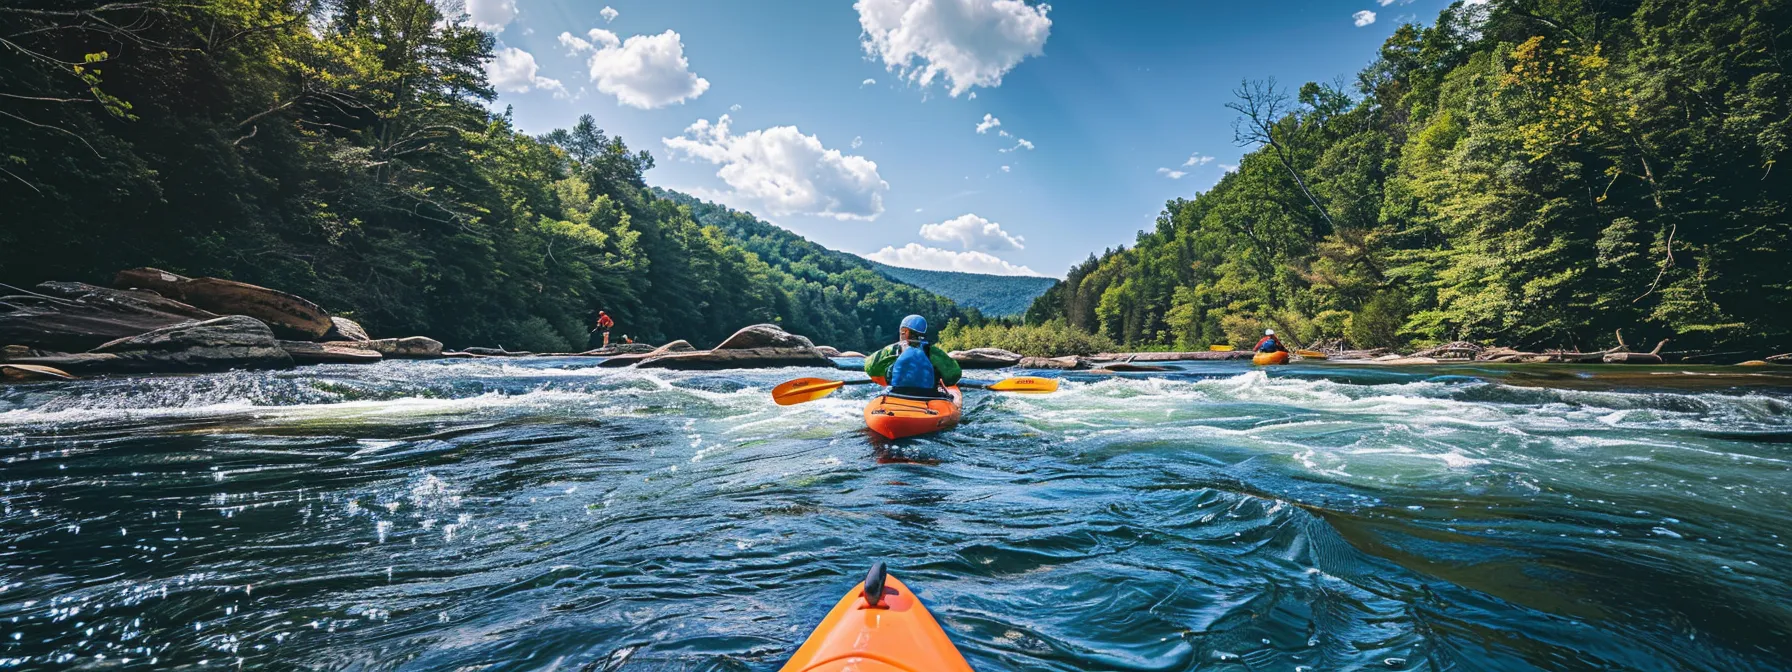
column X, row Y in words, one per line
column 912, row 366
column 605, row 323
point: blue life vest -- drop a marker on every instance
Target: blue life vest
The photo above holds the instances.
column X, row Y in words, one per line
column 912, row 369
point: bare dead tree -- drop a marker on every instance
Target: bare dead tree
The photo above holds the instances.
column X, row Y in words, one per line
column 1262, row 105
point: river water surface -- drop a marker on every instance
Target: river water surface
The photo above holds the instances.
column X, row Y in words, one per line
column 545, row 514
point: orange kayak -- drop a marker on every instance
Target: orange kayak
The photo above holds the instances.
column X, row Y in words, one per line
column 895, row 635
column 1266, row 358
column 897, row 418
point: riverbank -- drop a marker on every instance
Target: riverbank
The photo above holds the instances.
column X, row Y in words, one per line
column 153, row 321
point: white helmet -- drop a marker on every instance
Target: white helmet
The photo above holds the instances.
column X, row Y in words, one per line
column 1269, row 332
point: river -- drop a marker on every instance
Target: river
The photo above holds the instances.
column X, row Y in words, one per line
column 544, row 514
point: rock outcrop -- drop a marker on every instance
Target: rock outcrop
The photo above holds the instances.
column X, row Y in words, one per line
column 409, row 347
column 828, row 350
column 764, row 336
column 851, row 354
column 344, row 329
column 1059, row 363
column 289, row 315
column 985, row 358
column 72, row 317
column 337, row 352
column 233, row 342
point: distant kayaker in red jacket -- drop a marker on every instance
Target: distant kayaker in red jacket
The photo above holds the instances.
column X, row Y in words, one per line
column 1270, row 343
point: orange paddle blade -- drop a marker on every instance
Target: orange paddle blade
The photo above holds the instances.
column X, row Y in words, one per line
column 804, row 390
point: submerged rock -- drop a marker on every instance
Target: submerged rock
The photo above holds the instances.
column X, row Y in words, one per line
column 286, row 313
column 72, row 316
column 985, row 358
column 739, row 358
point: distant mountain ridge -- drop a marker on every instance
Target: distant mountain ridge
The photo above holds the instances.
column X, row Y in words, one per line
column 992, row 295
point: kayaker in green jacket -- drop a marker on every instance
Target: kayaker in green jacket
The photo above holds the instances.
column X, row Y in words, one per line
column 912, row 366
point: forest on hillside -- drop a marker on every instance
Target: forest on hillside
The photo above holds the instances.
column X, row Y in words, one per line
column 1535, row 173
column 992, row 295
column 344, row 151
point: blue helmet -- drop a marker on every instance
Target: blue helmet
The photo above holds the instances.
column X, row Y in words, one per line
column 915, row 323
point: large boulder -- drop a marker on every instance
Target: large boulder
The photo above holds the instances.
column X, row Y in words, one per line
column 71, row 316
column 985, row 358
column 344, row 329
column 289, row 315
column 738, row 358
column 851, row 354
column 409, row 347
column 1059, row 363
column 828, row 350
column 624, row 349
column 764, row 336
column 233, row 342
column 308, row 352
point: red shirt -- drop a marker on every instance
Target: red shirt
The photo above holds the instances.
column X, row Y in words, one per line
column 605, row 321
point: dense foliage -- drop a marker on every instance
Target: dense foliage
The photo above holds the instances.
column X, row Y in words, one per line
column 992, row 295
column 345, row 152
column 1051, row 339
column 831, row 296
column 1528, row 172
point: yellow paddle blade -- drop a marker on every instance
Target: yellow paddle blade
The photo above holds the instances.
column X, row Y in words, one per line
column 1221, row 348
column 1025, row 385
column 804, row 389
column 1310, row 354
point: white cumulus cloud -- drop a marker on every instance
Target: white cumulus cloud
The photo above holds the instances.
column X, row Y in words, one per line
column 1020, row 144
column 734, row 108
column 491, row 14
column 513, row 70
column 968, row 42
column 1229, row 168
column 857, row 140
column 644, row 71
column 1006, row 169
column 868, row 82
column 1172, row 174
column 609, row 13
column 1197, row 160
column 1363, row 18
column 916, row 255
column 786, row 172
column 973, row 233
column 989, row 121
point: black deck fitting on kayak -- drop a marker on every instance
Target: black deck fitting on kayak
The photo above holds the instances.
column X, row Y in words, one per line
column 874, row 585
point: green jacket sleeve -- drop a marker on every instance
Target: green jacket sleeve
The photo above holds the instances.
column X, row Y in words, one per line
column 878, row 364
column 944, row 365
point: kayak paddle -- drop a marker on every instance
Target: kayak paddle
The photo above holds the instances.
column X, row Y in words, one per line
column 804, row 390
column 1025, row 385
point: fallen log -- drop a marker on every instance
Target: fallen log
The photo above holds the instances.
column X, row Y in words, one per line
column 1650, row 357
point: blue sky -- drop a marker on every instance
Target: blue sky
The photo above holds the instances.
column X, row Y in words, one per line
column 856, row 124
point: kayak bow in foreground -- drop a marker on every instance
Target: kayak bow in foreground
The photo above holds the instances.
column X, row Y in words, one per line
column 879, row 626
